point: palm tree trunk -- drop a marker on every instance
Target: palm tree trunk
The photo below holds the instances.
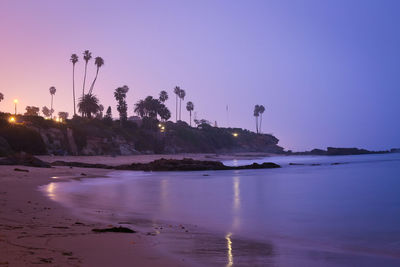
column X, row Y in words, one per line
column 73, row 87
column 95, row 78
column 260, row 123
column 180, row 108
column 51, row 107
column 256, row 124
column 190, row 118
column 84, row 80
column 176, row 108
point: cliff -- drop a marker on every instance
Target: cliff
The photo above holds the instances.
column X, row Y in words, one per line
column 79, row 136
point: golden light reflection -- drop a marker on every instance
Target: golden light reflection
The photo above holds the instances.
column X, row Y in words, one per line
column 229, row 247
column 236, row 193
column 235, row 134
column 50, row 190
column 236, row 203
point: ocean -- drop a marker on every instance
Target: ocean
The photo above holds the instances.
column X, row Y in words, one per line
column 314, row 211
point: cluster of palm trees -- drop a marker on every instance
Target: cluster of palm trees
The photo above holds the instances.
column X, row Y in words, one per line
column 151, row 107
column 88, row 103
column 180, row 94
column 258, row 112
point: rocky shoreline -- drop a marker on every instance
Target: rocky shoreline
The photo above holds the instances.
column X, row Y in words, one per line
column 185, row 164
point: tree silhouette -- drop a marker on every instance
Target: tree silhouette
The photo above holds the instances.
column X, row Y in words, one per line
column 108, row 113
column 163, row 96
column 190, row 107
column 74, row 60
column 256, row 113
column 98, row 61
column 122, row 107
column 182, row 95
column 52, row 91
column 261, row 110
column 151, row 107
column 87, row 55
column 177, row 91
column 46, row 111
column 63, row 115
column 1, row 97
column 99, row 115
column 88, row 105
column 32, row 111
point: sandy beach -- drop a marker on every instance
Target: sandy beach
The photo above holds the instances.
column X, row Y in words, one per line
column 34, row 230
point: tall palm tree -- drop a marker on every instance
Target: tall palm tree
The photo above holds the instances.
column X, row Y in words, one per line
column 88, row 105
column 52, row 91
column 163, row 96
column 1, row 97
column 74, row 60
column 87, row 55
column 261, row 110
column 177, row 91
column 182, row 95
column 98, row 61
column 256, row 113
column 190, row 107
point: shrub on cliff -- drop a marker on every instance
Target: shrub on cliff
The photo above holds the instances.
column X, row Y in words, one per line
column 21, row 138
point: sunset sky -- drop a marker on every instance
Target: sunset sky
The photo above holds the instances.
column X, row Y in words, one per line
column 328, row 72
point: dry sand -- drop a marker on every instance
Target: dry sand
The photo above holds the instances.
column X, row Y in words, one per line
column 35, row 230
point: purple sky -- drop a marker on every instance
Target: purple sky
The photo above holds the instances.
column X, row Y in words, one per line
column 326, row 71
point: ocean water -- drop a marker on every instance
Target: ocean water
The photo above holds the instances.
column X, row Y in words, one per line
column 327, row 211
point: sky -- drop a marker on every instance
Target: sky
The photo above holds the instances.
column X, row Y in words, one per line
column 327, row 72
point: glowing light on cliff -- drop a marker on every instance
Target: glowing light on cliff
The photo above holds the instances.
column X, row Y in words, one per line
column 11, row 119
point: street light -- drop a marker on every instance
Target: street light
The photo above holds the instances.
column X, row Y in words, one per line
column 11, row 119
column 15, row 105
column 235, row 134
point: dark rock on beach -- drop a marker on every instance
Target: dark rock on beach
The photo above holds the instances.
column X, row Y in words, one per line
column 114, row 230
column 24, row 159
column 186, row 164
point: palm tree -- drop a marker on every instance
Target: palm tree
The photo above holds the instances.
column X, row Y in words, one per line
column 163, row 96
column 182, row 95
column 74, row 60
column 190, row 107
column 256, row 114
column 98, row 61
column 122, row 107
column 1, row 97
column 177, row 91
column 261, row 110
column 87, row 55
column 88, row 105
column 52, row 93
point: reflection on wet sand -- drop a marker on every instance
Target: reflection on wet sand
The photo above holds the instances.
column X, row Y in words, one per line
column 50, row 191
column 229, row 247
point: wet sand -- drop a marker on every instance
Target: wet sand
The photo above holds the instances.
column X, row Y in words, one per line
column 35, row 230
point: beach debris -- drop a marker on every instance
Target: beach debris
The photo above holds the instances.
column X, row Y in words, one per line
column 151, row 233
column 119, row 229
column 67, row 253
column 60, row 227
column 46, row 260
column 20, row 170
